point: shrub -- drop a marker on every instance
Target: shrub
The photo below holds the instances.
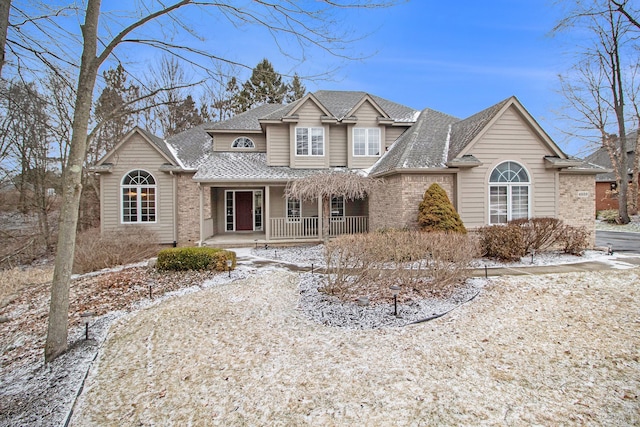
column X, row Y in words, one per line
column 574, row 240
column 539, row 234
column 504, row 242
column 610, row 215
column 367, row 264
column 436, row 213
column 195, row 258
column 95, row 251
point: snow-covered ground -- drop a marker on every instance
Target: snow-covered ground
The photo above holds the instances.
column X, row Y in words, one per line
column 204, row 326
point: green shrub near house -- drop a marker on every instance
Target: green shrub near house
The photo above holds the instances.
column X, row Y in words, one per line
column 436, row 212
column 195, row 258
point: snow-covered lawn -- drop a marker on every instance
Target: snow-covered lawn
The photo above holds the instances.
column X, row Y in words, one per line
column 545, row 350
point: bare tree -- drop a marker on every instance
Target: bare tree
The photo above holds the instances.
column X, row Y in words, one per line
column 325, row 186
column 624, row 7
column 310, row 26
column 5, row 7
column 597, row 89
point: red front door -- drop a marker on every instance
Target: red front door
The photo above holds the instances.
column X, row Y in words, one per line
column 244, row 210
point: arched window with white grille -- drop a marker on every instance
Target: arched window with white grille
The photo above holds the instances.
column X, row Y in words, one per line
column 509, row 193
column 138, row 189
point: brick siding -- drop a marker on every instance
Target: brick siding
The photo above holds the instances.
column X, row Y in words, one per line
column 395, row 204
column 188, row 199
column 577, row 202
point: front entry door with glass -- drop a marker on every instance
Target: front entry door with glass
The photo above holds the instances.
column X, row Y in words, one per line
column 244, row 210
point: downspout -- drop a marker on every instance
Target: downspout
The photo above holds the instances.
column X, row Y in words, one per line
column 175, row 207
column 201, row 193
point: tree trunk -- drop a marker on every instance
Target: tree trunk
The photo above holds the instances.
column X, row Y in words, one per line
column 57, row 331
column 635, row 177
column 5, row 7
column 326, row 218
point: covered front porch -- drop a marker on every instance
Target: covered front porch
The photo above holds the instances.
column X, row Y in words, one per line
column 249, row 214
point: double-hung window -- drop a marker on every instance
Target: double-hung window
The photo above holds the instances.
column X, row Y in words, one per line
column 337, row 208
column 509, row 188
column 138, row 191
column 309, row 141
column 294, row 210
column 366, row 141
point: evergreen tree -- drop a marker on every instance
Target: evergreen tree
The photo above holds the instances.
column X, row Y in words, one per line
column 436, row 213
column 296, row 89
column 114, row 112
column 183, row 115
column 265, row 86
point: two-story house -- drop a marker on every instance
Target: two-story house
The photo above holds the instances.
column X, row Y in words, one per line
column 224, row 182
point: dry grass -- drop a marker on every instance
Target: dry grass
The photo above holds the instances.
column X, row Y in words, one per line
column 16, row 279
column 543, row 350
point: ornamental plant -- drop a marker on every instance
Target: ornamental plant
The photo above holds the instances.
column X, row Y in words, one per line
column 436, row 212
column 195, row 258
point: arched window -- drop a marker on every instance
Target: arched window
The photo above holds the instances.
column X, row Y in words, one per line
column 138, row 197
column 243, row 142
column 509, row 188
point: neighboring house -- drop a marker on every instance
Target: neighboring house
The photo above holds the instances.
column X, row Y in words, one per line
column 606, row 183
column 223, row 183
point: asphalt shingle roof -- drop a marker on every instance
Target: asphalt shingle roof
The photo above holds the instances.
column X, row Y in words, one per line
column 191, row 146
column 249, row 120
column 422, row 146
column 601, row 158
column 234, row 166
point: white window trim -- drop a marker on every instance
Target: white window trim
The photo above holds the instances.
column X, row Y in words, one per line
column 310, row 142
column 253, row 208
column 156, row 210
column 246, row 138
column 366, row 142
column 509, row 186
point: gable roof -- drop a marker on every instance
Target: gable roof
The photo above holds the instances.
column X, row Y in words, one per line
column 338, row 104
column 153, row 140
column 436, row 139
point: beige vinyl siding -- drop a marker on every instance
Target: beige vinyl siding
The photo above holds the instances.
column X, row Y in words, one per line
column 278, row 145
column 367, row 118
column 391, row 134
column 135, row 154
column 338, row 149
column 309, row 115
column 509, row 138
column 223, row 141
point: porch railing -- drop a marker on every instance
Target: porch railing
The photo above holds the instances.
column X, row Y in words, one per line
column 307, row 227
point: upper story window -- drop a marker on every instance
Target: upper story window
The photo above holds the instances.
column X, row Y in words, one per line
column 243, row 142
column 366, row 141
column 310, row 141
column 138, row 191
column 509, row 188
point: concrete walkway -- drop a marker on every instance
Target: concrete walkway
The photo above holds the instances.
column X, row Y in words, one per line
column 615, row 261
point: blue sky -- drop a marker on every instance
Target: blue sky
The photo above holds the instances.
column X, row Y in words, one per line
column 455, row 57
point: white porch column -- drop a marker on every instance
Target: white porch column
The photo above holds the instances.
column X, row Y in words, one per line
column 267, row 213
column 201, row 194
column 320, row 219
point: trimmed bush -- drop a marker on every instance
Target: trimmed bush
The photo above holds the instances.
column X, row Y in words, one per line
column 420, row 263
column 539, row 234
column 574, row 240
column 195, row 258
column 436, row 213
column 504, row 242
